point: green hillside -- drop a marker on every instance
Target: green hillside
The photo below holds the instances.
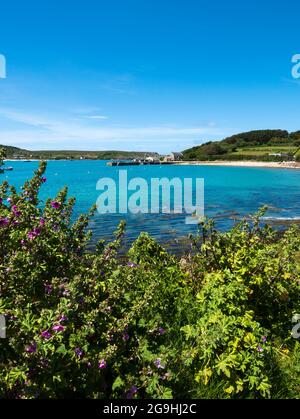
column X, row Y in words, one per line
column 264, row 145
column 18, row 153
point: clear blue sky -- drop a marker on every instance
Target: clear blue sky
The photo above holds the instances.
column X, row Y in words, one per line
column 155, row 75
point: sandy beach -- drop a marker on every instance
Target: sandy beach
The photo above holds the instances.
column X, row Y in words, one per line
column 246, row 163
column 278, row 165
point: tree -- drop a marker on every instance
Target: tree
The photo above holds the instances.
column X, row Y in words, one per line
column 295, row 135
column 297, row 156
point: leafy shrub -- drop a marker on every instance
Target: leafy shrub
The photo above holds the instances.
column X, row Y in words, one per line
column 297, row 156
column 97, row 324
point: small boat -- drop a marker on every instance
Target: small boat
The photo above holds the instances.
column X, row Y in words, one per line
column 8, row 168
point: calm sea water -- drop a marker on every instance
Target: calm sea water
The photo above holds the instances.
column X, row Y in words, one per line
column 230, row 193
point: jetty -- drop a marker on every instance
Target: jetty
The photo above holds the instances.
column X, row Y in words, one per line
column 135, row 163
column 172, row 158
column 132, row 163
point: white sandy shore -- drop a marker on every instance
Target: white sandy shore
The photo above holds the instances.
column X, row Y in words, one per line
column 246, row 163
column 280, row 165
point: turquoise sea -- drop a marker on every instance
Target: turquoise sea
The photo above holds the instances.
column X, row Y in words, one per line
column 230, row 193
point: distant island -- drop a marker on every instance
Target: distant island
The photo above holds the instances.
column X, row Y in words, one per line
column 260, row 146
column 16, row 153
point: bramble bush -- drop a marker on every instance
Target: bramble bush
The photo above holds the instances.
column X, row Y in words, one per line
column 96, row 324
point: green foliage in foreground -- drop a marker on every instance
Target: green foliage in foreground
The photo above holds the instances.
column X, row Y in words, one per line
column 215, row 324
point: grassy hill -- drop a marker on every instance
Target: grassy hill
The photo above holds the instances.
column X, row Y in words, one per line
column 18, row 153
column 263, row 145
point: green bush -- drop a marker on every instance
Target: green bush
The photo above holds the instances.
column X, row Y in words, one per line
column 214, row 324
column 297, row 156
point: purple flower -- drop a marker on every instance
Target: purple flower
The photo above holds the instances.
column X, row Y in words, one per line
column 161, row 331
column 63, row 318
column 132, row 392
column 1, row 200
column 31, row 349
column 89, row 364
column 102, row 364
column 48, row 288
column 43, row 179
column 46, row 334
column 56, row 205
column 3, row 222
column 260, row 349
column 58, row 328
column 79, row 352
column 42, row 222
column 158, row 364
column 131, row 265
column 9, row 200
column 264, row 339
column 125, row 337
column 31, row 235
column 16, row 212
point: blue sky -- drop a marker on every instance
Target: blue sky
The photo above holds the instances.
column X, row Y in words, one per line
column 156, row 75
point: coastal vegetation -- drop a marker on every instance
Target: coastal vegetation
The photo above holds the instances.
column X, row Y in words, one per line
column 262, row 145
column 18, row 153
column 215, row 323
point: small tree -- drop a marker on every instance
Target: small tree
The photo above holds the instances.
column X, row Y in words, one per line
column 297, row 155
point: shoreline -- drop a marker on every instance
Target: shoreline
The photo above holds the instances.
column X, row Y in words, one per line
column 246, row 163
column 228, row 163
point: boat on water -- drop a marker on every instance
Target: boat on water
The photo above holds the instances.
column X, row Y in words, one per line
column 9, row 168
